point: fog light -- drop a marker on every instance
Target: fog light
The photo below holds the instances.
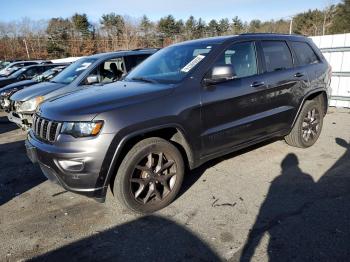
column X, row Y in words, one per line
column 71, row 165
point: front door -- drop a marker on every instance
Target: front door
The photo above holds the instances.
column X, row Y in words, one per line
column 232, row 111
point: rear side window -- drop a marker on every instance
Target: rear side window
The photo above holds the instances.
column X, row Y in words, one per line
column 133, row 60
column 277, row 55
column 304, row 53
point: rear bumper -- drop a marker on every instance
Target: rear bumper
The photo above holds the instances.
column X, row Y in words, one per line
column 74, row 164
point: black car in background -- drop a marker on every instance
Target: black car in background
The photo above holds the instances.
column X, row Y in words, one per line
column 9, row 90
column 15, row 66
column 185, row 105
column 26, row 73
column 4, row 64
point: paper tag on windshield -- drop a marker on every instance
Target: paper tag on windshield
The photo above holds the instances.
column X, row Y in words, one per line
column 193, row 63
column 83, row 66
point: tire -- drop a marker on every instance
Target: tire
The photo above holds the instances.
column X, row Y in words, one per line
column 306, row 131
column 141, row 175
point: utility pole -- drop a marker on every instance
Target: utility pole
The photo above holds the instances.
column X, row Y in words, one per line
column 25, row 43
column 291, row 25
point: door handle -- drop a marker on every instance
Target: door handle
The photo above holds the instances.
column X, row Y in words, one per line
column 258, row 84
column 299, row 74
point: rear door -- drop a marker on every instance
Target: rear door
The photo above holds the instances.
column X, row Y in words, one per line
column 310, row 65
column 283, row 83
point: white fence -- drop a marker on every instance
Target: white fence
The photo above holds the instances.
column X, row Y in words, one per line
column 336, row 49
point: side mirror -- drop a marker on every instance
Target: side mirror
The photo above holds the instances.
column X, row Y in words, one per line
column 93, row 79
column 219, row 74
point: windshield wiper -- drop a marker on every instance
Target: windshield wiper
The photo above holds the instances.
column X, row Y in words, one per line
column 144, row 79
column 51, row 81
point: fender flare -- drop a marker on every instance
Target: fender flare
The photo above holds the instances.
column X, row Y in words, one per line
column 305, row 98
column 120, row 145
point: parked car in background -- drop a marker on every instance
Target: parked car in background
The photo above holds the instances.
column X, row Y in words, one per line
column 3, row 64
column 97, row 69
column 9, row 90
column 185, row 105
column 15, row 66
column 25, row 73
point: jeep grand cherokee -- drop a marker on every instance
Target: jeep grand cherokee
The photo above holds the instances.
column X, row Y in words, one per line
column 187, row 104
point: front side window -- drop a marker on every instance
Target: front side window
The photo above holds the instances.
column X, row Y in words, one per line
column 277, row 55
column 69, row 74
column 242, row 57
column 107, row 72
column 304, row 53
column 31, row 72
column 171, row 64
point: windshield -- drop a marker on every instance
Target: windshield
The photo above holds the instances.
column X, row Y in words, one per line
column 171, row 64
column 69, row 74
column 18, row 72
column 47, row 75
column 10, row 69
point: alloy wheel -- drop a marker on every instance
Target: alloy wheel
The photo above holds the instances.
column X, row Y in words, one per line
column 311, row 125
column 153, row 178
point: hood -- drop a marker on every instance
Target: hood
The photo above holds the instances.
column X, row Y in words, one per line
column 85, row 104
column 18, row 85
column 40, row 89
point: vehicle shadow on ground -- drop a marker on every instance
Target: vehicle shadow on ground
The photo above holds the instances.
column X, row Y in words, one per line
column 150, row 238
column 305, row 220
column 6, row 125
column 193, row 176
column 17, row 173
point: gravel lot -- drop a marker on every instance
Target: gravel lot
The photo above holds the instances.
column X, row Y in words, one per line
column 270, row 202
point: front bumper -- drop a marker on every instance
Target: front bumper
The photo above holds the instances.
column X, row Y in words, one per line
column 74, row 163
column 4, row 103
column 24, row 121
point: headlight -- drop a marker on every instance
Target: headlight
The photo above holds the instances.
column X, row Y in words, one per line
column 5, row 93
column 82, row 129
column 30, row 105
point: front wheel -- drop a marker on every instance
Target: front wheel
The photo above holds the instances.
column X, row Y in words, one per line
column 308, row 126
column 150, row 176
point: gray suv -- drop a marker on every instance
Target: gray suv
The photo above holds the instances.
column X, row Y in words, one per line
column 96, row 69
column 185, row 105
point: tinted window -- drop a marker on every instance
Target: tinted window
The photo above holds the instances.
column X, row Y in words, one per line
column 242, row 58
column 133, row 61
column 277, row 55
column 304, row 53
column 31, row 72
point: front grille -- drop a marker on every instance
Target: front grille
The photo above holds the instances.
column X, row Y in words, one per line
column 45, row 129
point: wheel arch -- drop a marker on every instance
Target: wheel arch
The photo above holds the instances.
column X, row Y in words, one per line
column 173, row 133
column 319, row 94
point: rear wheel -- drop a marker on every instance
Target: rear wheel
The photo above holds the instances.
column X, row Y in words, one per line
column 150, row 176
column 308, row 126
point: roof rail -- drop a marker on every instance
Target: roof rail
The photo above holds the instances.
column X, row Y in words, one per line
column 271, row 34
column 145, row 49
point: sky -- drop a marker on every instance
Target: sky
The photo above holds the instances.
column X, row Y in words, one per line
column 155, row 9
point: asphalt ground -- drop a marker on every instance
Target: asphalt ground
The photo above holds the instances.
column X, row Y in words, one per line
column 270, row 202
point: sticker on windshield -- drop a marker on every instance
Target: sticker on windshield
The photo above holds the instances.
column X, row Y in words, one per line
column 83, row 66
column 193, row 63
